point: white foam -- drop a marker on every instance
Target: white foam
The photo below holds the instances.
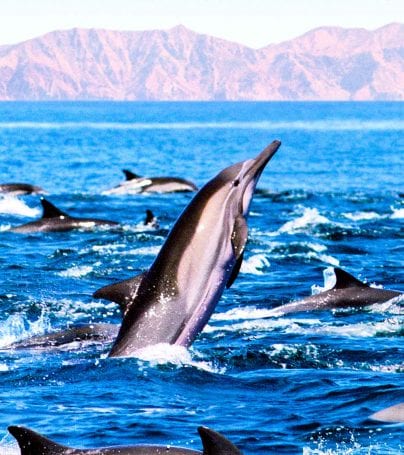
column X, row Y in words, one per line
column 77, row 271
column 254, row 264
column 13, row 206
column 245, row 313
column 164, row 353
column 397, row 214
column 145, row 251
column 362, row 216
column 310, row 217
column 329, row 281
column 16, row 328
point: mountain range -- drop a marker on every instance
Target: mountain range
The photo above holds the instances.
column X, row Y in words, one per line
column 327, row 63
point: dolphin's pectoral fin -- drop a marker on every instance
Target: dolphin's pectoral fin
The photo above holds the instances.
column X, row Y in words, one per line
column 51, row 211
column 235, row 271
column 238, row 242
column 123, row 293
column 129, row 175
column 216, row 444
column 239, row 235
column 345, row 280
column 32, row 443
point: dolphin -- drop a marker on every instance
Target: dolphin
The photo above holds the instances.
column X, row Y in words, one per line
column 135, row 184
column 54, row 220
column 80, row 333
column 32, row 443
column 392, row 414
column 17, row 189
column 174, row 299
column 348, row 292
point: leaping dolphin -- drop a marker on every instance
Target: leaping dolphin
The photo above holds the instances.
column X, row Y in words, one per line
column 174, row 299
column 348, row 292
column 135, row 184
column 17, row 189
column 32, row 443
column 54, row 220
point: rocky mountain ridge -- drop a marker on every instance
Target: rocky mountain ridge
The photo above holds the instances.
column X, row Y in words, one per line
column 328, row 63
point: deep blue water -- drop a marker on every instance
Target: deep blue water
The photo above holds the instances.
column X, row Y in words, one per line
column 333, row 195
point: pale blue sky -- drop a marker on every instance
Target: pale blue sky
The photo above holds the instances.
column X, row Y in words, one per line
column 255, row 23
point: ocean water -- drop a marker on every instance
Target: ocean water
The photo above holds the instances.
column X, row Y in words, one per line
column 299, row 384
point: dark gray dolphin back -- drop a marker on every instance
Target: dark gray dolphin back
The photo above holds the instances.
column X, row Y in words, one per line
column 129, row 175
column 32, row 443
column 345, row 280
column 51, row 211
column 216, row 444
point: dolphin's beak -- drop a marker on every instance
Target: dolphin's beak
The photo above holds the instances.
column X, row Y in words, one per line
column 262, row 160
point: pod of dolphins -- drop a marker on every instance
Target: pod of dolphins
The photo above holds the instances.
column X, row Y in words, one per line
column 204, row 248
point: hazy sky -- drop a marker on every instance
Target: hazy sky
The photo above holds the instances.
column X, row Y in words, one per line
column 252, row 22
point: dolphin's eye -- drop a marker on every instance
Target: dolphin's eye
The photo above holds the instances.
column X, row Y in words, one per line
column 236, row 182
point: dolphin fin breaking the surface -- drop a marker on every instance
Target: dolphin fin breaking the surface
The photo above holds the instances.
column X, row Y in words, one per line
column 135, row 184
column 129, row 175
column 55, row 220
column 348, row 292
column 32, row 443
column 174, row 299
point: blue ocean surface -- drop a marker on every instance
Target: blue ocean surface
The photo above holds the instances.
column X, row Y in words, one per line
column 298, row 384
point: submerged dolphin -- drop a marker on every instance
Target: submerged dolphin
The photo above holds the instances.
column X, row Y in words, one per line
column 32, row 443
column 392, row 414
column 174, row 299
column 16, row 189
column 54, row 220
column 81, row 333
column 348, row 292
column 135, row 184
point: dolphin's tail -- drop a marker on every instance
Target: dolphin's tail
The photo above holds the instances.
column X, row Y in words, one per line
column 216, row 444
column 32, row 443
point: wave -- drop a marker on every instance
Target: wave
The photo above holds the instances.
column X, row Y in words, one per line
column 305, row 250
column 178, row 356
column 13, row 206
column 398, row 214
column 314, row 125
column 255, row 264
column 309, row 218
column 362, row 216
column 16, row 328
column 77, row 271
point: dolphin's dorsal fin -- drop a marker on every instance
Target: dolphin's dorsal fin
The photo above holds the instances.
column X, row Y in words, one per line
column 129, row 175
column 149, row 217
column 216, row 444
column 32, row 443
column 50, row 211
column 346, row 280
column 122, row 293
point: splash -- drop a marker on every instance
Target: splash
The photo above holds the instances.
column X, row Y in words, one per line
column 16, row 328
column 329, row 281
column 254, row 265
column 179, row 356
column 398, row 214
column 310, row 218
column 13, row 206
column 77, row 271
